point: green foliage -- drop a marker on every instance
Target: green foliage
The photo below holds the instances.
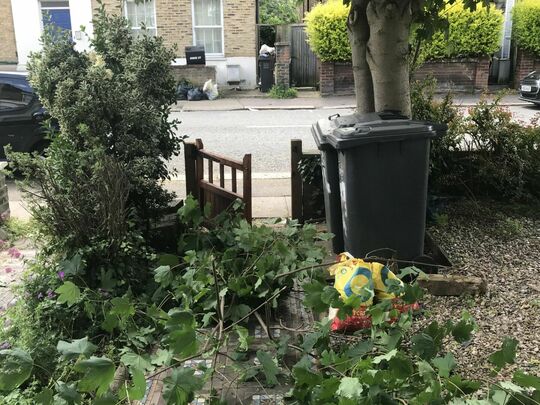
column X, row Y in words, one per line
column 277, row 12
column 469, row 33
column 526, row 25
column 326, row 27
column 281, row 92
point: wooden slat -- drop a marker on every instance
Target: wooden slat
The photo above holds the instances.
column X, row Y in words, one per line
column 190, row 157
column 234, row 184
column 210, row 171
column 247, row 188
column 221, row 159
column 296, row 180
column 199, row 171
column 212, row 188
column 221, row 175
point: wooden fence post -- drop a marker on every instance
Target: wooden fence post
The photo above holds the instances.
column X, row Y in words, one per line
column 296, row 180
column 199, row 171
column 190, row 157
column 247, row 188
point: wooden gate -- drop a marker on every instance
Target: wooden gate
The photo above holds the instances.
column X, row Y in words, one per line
column 304, row 68
column 203, row 187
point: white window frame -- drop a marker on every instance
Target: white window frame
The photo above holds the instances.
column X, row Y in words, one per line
column 139, row 28
column 43, row 6
column 222, row 26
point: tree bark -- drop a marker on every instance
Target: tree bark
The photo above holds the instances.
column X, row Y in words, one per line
column 387, row 53
column 358, row 29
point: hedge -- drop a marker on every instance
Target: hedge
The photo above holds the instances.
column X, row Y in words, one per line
column 326, row 27
column 470, row 33
column 526, row 25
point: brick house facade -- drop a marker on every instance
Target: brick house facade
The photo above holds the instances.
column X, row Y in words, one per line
column 8, row 47
column 228, row 27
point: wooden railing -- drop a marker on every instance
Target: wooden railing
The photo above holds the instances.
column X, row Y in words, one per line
column 206, row 189
column 302, row 202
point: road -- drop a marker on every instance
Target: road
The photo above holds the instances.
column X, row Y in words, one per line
column 266, row 134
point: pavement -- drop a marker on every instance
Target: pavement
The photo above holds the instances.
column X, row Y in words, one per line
column 310, row 100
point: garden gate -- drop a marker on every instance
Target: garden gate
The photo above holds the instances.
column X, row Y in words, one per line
column 203, row 187
column 304, row 68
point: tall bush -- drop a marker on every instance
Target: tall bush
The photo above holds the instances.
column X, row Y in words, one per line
column 526, row 25
column 326, row 27
column 276, row 12
column 470, row 33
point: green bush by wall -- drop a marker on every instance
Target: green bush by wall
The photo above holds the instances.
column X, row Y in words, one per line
column 526, row 25
column 326, row 27
column 470, row 33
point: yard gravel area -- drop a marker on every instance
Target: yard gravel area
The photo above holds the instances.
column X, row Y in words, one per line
column 500, row 243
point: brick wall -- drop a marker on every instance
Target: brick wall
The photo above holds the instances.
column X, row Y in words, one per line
column 174, row 24
column 196, row 74
column 8, row 47
column 525, row 63
column 457, row 74
column 283, row 64
column 111, row 6
column 336, row 78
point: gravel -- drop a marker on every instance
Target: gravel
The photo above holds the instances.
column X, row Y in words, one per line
column 500, row 243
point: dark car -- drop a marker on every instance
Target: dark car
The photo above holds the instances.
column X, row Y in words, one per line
column 21, row 115
column 529, row 86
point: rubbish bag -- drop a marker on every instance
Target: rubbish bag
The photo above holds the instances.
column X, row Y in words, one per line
column 196, row 95
column 182, row 91
column 368, row 280
column 211, row 90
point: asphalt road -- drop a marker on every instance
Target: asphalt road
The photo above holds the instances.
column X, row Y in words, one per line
column 266, row 134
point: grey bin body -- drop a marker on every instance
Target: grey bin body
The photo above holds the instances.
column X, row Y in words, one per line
column 266, row 72
column 382, row 169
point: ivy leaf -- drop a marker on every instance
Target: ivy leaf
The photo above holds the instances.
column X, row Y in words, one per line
column 161, row 357
column 99, row 374
column 180, row 386
column 134, row 361
column 76, row 348
column 45, row 397
column 462, row 331
column 401, row 367
column 526, row 380
column 243, row 338
column 388, row 356
column 107, row 399
column 444, row 364
column 167, row 259
column 350, row 387
column 313, row 296
column 121, row 306
column 68, row 293
column 138, row 387
column 412, row 293
column 304, row 376
column 67, row 392
column 457, row 385
column 163, row 275
column 109, row 323
column 72, row 266
column 181, row 336
column 270, row 369
column 15, row 368
column 506, row 354
column 424, row 346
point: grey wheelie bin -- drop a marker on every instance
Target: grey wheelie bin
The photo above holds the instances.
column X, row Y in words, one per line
column 329, row 165
column 383, row 175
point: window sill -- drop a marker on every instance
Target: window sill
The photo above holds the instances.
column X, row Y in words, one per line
column 216, row 57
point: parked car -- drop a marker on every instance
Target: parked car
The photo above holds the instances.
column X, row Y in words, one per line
column 21, row 115
column 529, row 86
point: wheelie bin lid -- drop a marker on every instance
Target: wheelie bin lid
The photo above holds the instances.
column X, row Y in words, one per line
column 383, row 130
column 326, row 126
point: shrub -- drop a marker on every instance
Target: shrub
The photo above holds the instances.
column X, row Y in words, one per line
column 326, row 27
column 526, row 25
column 276, row 12
column 470, row 33
column 282, row 92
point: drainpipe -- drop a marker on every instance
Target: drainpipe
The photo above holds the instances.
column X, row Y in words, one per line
column 504, row 63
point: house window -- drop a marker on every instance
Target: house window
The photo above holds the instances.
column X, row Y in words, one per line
column 56, row 13
column 208, row 26
column 141, row 13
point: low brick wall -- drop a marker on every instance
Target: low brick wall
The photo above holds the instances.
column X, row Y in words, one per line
column 196, row 74
column 526, row 62
column 336, row 78
column 457, row 74
column 282, row 68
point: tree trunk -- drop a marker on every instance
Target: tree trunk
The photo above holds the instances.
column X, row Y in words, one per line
column 358, row 28
column 387, row 53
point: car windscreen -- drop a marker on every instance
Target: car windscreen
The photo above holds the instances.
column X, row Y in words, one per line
column 534, row 75
column 15, row 93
